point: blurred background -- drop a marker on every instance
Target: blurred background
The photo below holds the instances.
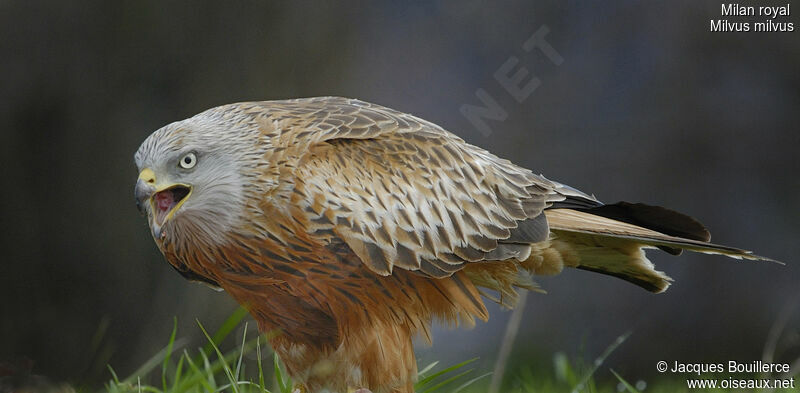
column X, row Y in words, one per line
column 647, row 106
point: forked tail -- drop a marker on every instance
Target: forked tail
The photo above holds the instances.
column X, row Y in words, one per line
column 609, row 239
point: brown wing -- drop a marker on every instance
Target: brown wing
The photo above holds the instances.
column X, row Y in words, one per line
column 403, row 192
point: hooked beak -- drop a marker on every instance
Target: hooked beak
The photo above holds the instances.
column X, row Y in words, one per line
column 164, row 199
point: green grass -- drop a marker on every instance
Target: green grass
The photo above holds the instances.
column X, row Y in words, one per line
column 251, row 367
column 211, row 370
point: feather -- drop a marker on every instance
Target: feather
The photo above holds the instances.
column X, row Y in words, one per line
column 585, row 222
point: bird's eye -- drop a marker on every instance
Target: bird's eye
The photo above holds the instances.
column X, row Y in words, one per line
column 188, row 161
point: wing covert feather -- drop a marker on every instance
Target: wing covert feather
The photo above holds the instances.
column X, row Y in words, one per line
column 403, row 192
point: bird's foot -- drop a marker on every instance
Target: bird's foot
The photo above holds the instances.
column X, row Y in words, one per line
column 363, row 390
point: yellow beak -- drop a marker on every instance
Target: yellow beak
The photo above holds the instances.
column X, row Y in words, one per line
column 171, row 196
column 147, row 175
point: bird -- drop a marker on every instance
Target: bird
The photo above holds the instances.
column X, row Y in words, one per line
column 348, row 228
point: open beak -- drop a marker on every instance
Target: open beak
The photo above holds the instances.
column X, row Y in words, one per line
column 164, row 199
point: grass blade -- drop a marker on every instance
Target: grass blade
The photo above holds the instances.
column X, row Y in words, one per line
column 284, row 384
column 427, row 368
column 221, row 358
column 445, row 382
column 470, row 382
column 429, row 379
column 227, row 327
column 260, row 366
column 153, row 362
column 241, row 353
column 625, row 383
column 586, row 381
column 167, row 357
column 199, row 377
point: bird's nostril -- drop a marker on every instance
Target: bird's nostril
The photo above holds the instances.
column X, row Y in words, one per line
column 147, row 176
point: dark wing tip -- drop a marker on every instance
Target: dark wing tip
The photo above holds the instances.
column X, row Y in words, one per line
column 656, row 218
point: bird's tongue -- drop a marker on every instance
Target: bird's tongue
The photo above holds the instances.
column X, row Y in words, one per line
column 165, row 201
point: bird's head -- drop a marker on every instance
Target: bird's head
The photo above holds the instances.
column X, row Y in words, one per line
column 191, row 177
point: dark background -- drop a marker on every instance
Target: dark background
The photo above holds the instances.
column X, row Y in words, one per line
column 647, row 106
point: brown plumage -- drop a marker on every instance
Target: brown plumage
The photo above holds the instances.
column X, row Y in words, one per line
column 349, row 227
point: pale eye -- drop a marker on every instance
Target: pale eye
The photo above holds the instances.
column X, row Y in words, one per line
column 188, row 161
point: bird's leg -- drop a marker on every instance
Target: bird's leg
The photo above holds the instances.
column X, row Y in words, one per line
column 363, row 390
